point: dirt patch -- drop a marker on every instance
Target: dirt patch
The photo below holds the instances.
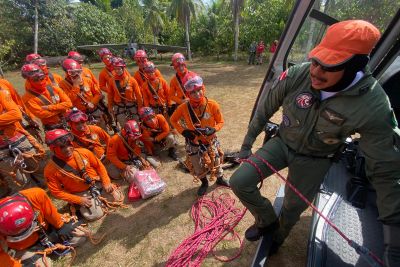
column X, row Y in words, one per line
column 149, row 230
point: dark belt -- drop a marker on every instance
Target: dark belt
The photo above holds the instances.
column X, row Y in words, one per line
column 125, row 106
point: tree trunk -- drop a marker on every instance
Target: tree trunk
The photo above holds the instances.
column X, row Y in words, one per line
column 36, row 28
column 236, row 36
column 155, row 42
column 187, row 25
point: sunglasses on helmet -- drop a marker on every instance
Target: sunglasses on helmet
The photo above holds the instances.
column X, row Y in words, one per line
column 74, row 72
column 194, row 84
column 64, row 141
column 40, row 62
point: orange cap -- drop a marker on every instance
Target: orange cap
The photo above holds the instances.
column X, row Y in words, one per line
column 343, row 40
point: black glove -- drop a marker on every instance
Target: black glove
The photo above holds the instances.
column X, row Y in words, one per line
column 209, row 131
column 65, row 232
column 189, row 134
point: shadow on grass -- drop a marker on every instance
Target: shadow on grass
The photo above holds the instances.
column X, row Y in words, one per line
column 156, row 213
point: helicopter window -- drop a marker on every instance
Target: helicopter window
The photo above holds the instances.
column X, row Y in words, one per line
column 325, row 12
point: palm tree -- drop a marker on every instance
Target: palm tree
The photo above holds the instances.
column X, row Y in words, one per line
column 236, row 6
column 153, row 17
column 183, row 11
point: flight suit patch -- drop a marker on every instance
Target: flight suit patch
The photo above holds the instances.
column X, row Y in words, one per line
column 94, row 136
column 206, row 115
column 332, row 116
column 285, row 120
column 304, row 100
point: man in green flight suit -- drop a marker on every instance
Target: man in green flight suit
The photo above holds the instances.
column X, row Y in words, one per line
column 324, row 101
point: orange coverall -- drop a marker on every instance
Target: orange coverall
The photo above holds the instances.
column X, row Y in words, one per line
column 55, row 110
column 104, row 75
column 47, row 214
column 90, row 93
column 10, row 116
column 212, row 117
column 117, row 152
column 161, row 87
column 132, row 92
column 140, row 77
column 86, row 72
column 176, row 91
column 6, row 85
column 159, row 133
column 94, row 139
column 64, row 186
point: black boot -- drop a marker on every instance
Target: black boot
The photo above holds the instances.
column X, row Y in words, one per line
column 203, row 187
column 172, row 153
column 253, row 233
column 222, row 181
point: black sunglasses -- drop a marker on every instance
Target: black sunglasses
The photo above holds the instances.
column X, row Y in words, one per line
column 315, row 63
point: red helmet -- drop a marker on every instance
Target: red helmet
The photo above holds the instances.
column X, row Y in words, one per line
column 140, row 54
column 132, row 129
column 146, row 112
column 75, row 56
column 118, row 62
column 29, row 58
column 16, row 217
column 149, row 67
column 75, row 115
column 104, row 51
column 192, row 81
column 31, row 71
column 58, row 137
column 71, row 65
column 177, row 59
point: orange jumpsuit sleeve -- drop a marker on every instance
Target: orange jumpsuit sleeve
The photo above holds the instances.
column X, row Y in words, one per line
column 137, row 92
column 103, row 80
column 12, row 112
column 99, row 167
column 103, row 135
column 35, row 106
column 89, row 74
column 94, row 88
column 175, row 91
column 58, row 78
column 56, row 187
column 164, row 126
column 112, row 152
column 41, row 201
column 165, row 87
column 176, row 116
column 146, row 94
column 218, row 118
column 65, row 102
column 158, row 74
column 8, row 261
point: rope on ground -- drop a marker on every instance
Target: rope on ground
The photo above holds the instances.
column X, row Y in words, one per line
column 60, row 247
column 215, row 216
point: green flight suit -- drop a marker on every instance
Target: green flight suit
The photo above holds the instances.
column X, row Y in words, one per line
column 311, row 132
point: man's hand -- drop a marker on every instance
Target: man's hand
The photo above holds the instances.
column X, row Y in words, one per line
column 86, row 202
column 189, row 134
column 90, row 105
column 108, row 188
column 150, row 139
column 209, row 131
column 45, row 107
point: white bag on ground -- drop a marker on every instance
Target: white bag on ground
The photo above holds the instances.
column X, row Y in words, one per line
column 149, row 183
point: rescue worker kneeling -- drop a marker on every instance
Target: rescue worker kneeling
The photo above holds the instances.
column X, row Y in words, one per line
column 124, row 151
column 20, row 153
column 78, row 177
column 157, row 134
column 198, row 120
column 30, row 223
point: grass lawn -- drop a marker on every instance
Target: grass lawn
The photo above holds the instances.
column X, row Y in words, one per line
column 149, row 230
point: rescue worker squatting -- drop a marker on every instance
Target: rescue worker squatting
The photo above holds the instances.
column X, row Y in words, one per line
column 324, row 102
